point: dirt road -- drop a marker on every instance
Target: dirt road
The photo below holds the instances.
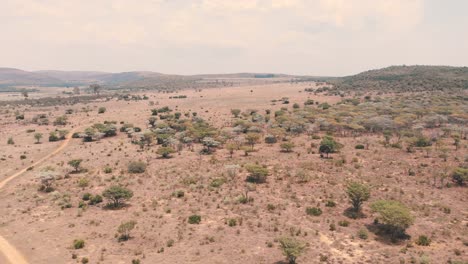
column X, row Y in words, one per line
column 6, row 249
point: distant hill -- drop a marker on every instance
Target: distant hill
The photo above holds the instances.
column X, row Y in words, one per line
column 144, row 79
column 15, row 77
column 406, row 79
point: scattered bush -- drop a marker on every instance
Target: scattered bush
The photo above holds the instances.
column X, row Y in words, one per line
column 315, row 211
column 78, row 244
column 136, row 167
column 194, row 219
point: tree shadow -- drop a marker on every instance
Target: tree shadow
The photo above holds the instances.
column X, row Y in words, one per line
column 387, row 235
column 353, row 214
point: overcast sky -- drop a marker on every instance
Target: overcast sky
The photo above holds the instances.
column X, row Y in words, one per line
column 316, row 37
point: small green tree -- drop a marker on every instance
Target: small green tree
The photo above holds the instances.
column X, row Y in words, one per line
column 287, row 146
column 117, row 194
column 165, row 152
column 75, row 164
column 257, row 174
column 125, row 229
column 291, row 248
column 38, row 137
column 252, row 139
column 395, row 216
column 357, row 193
column 329, row 145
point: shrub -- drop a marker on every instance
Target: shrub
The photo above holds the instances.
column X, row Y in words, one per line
column 78, row 244
column 194, row 219
column 10, row 141
column 136, row 167
column 423, row 241
column 258, row 173
column 315, row 211
column 165, row 152
column 460, row 176
column 60, row 121
column 101, row 110
column 232, row 222
column 363, row 234
column 87, row 196
column 107, row 170
column 270, row 139
column 95, row 199
column 359, row 146
column 291, row 248
column 343, row 223
column 330, row 204
column 124, row 230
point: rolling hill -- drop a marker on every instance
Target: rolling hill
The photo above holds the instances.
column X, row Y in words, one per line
column 406, row 79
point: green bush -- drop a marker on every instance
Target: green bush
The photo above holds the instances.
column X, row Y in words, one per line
column 363, row 234
column 95, row 199
column 78, row 243
column 359, row 146
column 136, row 167
column 194, row 219
column 315, row 211
column 423, row 241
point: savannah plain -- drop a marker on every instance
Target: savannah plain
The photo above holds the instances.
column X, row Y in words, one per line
column 198, row 203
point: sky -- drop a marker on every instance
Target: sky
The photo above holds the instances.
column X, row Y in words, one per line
column 310, row 37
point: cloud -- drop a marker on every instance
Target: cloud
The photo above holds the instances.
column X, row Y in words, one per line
column 277, row 31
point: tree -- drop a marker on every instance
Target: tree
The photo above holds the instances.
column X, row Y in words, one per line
column 165, row 152
column 231, row 147
column 287, row 146
column 329, row 145
column 252, row 139
column 75, row 164
column 394, row 215
column 76, row 90
column 357, row 193
column 38, row 137
column 235, row 112
column 96, row 88
column 258, row 173
column 291, row 248
column 460, row 175
column 124, row 230
column 209, row 143
column 117, row 194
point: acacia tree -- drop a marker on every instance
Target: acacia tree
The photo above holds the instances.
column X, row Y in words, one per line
column 117, row 194
column 329, row 145
column 395, row 216
column 252, row 139
column 358, row 193
column 291, row 248
column 75, row 164
column 38, row 137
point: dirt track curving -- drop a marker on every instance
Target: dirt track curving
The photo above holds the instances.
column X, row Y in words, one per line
column 6, row 249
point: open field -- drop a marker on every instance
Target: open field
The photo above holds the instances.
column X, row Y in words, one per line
column 304, row 195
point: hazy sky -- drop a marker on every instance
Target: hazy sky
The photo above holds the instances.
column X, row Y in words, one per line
column 317, row 37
